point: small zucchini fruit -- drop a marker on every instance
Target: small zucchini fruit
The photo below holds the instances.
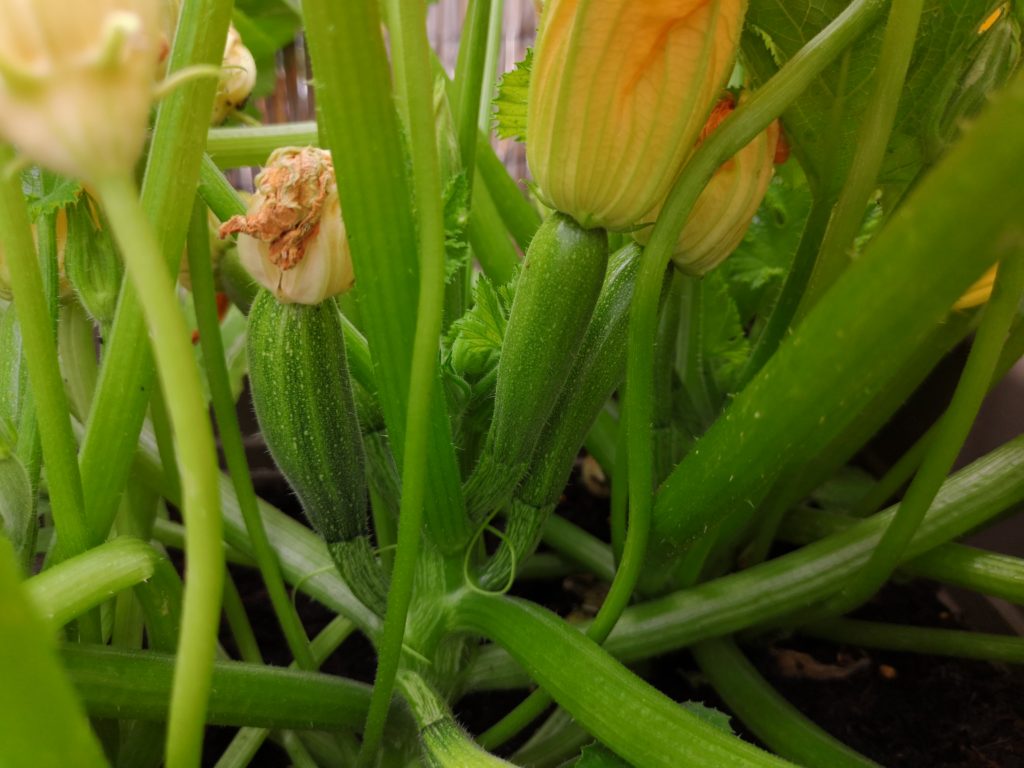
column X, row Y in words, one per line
column 597, row 372
column 554, row 300
column 302, row 394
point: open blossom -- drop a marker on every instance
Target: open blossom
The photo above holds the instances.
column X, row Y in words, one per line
column 77, row 81
column 237, row 78
column 723, row 212
column 293, row 239
column 618, row 94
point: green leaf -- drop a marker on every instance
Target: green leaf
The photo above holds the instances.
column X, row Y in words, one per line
column 598, row 756
column 822, row 124
column 47, row 192
column 710, row 715
column 266, row 26
column 510, row 103
column 755, row 271
column 725, row 345
column 474, row 340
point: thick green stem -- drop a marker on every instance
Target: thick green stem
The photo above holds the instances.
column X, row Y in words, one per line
column 764, row 711
column 411, row 54
column 949, row 437
column 78, row 584
column 197, row 459
column 168, row 188
column 639, row 723
column 137, row 684
column 40, row 349
column 247, row 741
column 203, row 292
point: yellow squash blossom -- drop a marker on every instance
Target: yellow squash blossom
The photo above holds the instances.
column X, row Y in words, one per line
column 618, row 94
column 723, row 212
column 77, row 81
column 293, row 238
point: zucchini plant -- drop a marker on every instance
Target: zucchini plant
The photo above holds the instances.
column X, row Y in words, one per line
column 752, row 229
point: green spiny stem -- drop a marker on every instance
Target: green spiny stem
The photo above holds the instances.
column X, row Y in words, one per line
column 40, row 349
column 764, row 711
column 949, row 437
column 76, row 585
column 805, row 396
column 924, row 640
column 872, row 141
column 240, row 147
column 168, row 188
column 990, row 573
column 778, row 587
column 618, row 708
column 247, row 741
column 137, row 684
column 411, row 54
column 197, row 459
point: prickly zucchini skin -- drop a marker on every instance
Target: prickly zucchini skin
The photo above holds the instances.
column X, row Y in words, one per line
column 555, row 297
column 302, row 394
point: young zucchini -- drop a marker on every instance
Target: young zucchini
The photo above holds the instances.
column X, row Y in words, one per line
column 303, row 398
column 597, row 372
column 555, row 297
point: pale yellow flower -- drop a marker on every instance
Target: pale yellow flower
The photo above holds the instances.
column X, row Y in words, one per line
column 77, row 81
column 293, row 238
column 619, row 91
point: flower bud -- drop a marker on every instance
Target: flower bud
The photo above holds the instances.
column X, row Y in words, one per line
column 237, row 78
column 618, row 94
column 723, row 212
column 980, row 292
column 293, row 240
column 92, row 262
column 77, row 81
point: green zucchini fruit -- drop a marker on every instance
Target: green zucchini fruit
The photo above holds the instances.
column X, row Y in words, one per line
column 597, row 372
column 555, row 297
column 298, row 373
